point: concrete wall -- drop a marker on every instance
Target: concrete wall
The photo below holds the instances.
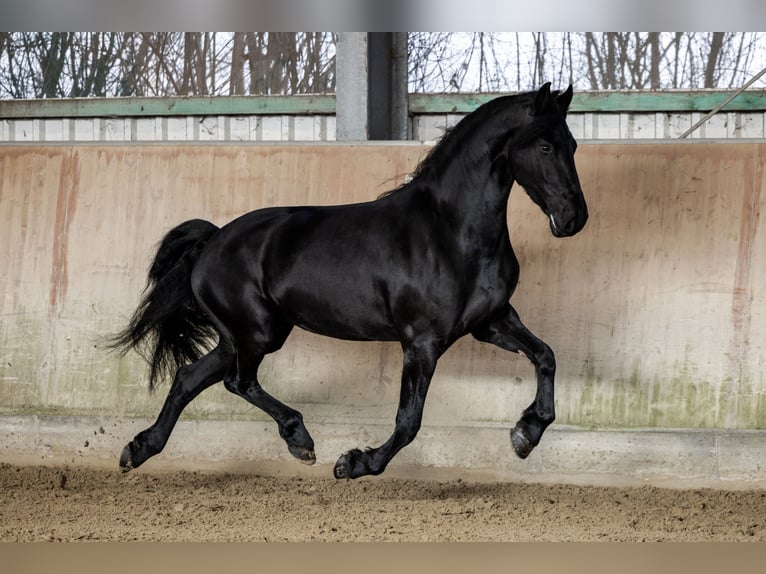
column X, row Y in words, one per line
column 657, row 310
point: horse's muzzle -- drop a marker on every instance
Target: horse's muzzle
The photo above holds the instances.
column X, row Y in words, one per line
column 570, row 226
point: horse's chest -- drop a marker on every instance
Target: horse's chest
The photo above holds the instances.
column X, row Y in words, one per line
column 496, row 275
column 492, row 294
column 490, row 291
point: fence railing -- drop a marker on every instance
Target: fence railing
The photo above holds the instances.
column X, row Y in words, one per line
column 593, row 115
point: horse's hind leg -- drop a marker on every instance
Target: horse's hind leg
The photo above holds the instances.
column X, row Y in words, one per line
column 190, row 380
column 269, row 337
column 419, row 364
column 509, row 333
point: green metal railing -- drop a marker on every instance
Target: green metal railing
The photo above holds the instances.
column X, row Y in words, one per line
column 168, row 106
column 596, row 102
column 605, row 102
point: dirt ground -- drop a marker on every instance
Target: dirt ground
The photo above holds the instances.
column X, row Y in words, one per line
column 73, row 503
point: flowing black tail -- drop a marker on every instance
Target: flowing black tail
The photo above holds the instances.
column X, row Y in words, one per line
column 169, row 329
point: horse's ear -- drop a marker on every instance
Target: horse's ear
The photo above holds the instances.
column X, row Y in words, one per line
column 565, row 99
column 543, row 99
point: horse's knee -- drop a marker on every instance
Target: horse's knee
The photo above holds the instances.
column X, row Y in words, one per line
column 544, row 358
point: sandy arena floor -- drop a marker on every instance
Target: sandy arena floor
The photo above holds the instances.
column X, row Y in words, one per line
column 71, row 503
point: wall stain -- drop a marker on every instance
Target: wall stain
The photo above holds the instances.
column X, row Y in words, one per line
column 66, row 205
column 742, row 295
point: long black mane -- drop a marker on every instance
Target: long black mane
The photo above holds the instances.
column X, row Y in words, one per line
column 524, row 127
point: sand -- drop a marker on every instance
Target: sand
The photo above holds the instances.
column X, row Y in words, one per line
column 78, row 503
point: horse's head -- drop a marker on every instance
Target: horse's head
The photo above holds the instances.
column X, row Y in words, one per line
column 541, row 159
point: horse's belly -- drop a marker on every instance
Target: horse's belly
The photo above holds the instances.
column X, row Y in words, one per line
column 340, row 311
column 349, row 323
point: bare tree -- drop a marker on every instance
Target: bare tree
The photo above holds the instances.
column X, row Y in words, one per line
column 237, row 69
column 70, row 64
column 712, row 60
column 668, row 60
column 194, row 75
column 73, row 64
column 654, row 60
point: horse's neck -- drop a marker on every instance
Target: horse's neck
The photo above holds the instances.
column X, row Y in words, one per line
column 473, row 183
column 477, row 187
column 474, row 206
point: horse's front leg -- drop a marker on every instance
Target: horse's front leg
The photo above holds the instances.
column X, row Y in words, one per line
column 419, row 365
column 508, row 332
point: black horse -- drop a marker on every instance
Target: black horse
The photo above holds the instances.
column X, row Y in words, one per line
column 423, row 264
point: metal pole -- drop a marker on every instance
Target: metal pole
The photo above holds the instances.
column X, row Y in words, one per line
column 400, row 117
column 351, row 88
column 723, row 104
column 388, row 117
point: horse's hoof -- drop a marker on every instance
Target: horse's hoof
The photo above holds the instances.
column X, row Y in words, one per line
column 340, row 470
column 521, row 444
column 303, row 455
column 126, row 459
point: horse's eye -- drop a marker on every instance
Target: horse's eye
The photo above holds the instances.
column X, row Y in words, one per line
column 546, row 148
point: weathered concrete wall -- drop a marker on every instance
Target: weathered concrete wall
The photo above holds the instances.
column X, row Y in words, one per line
column 657, row 310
